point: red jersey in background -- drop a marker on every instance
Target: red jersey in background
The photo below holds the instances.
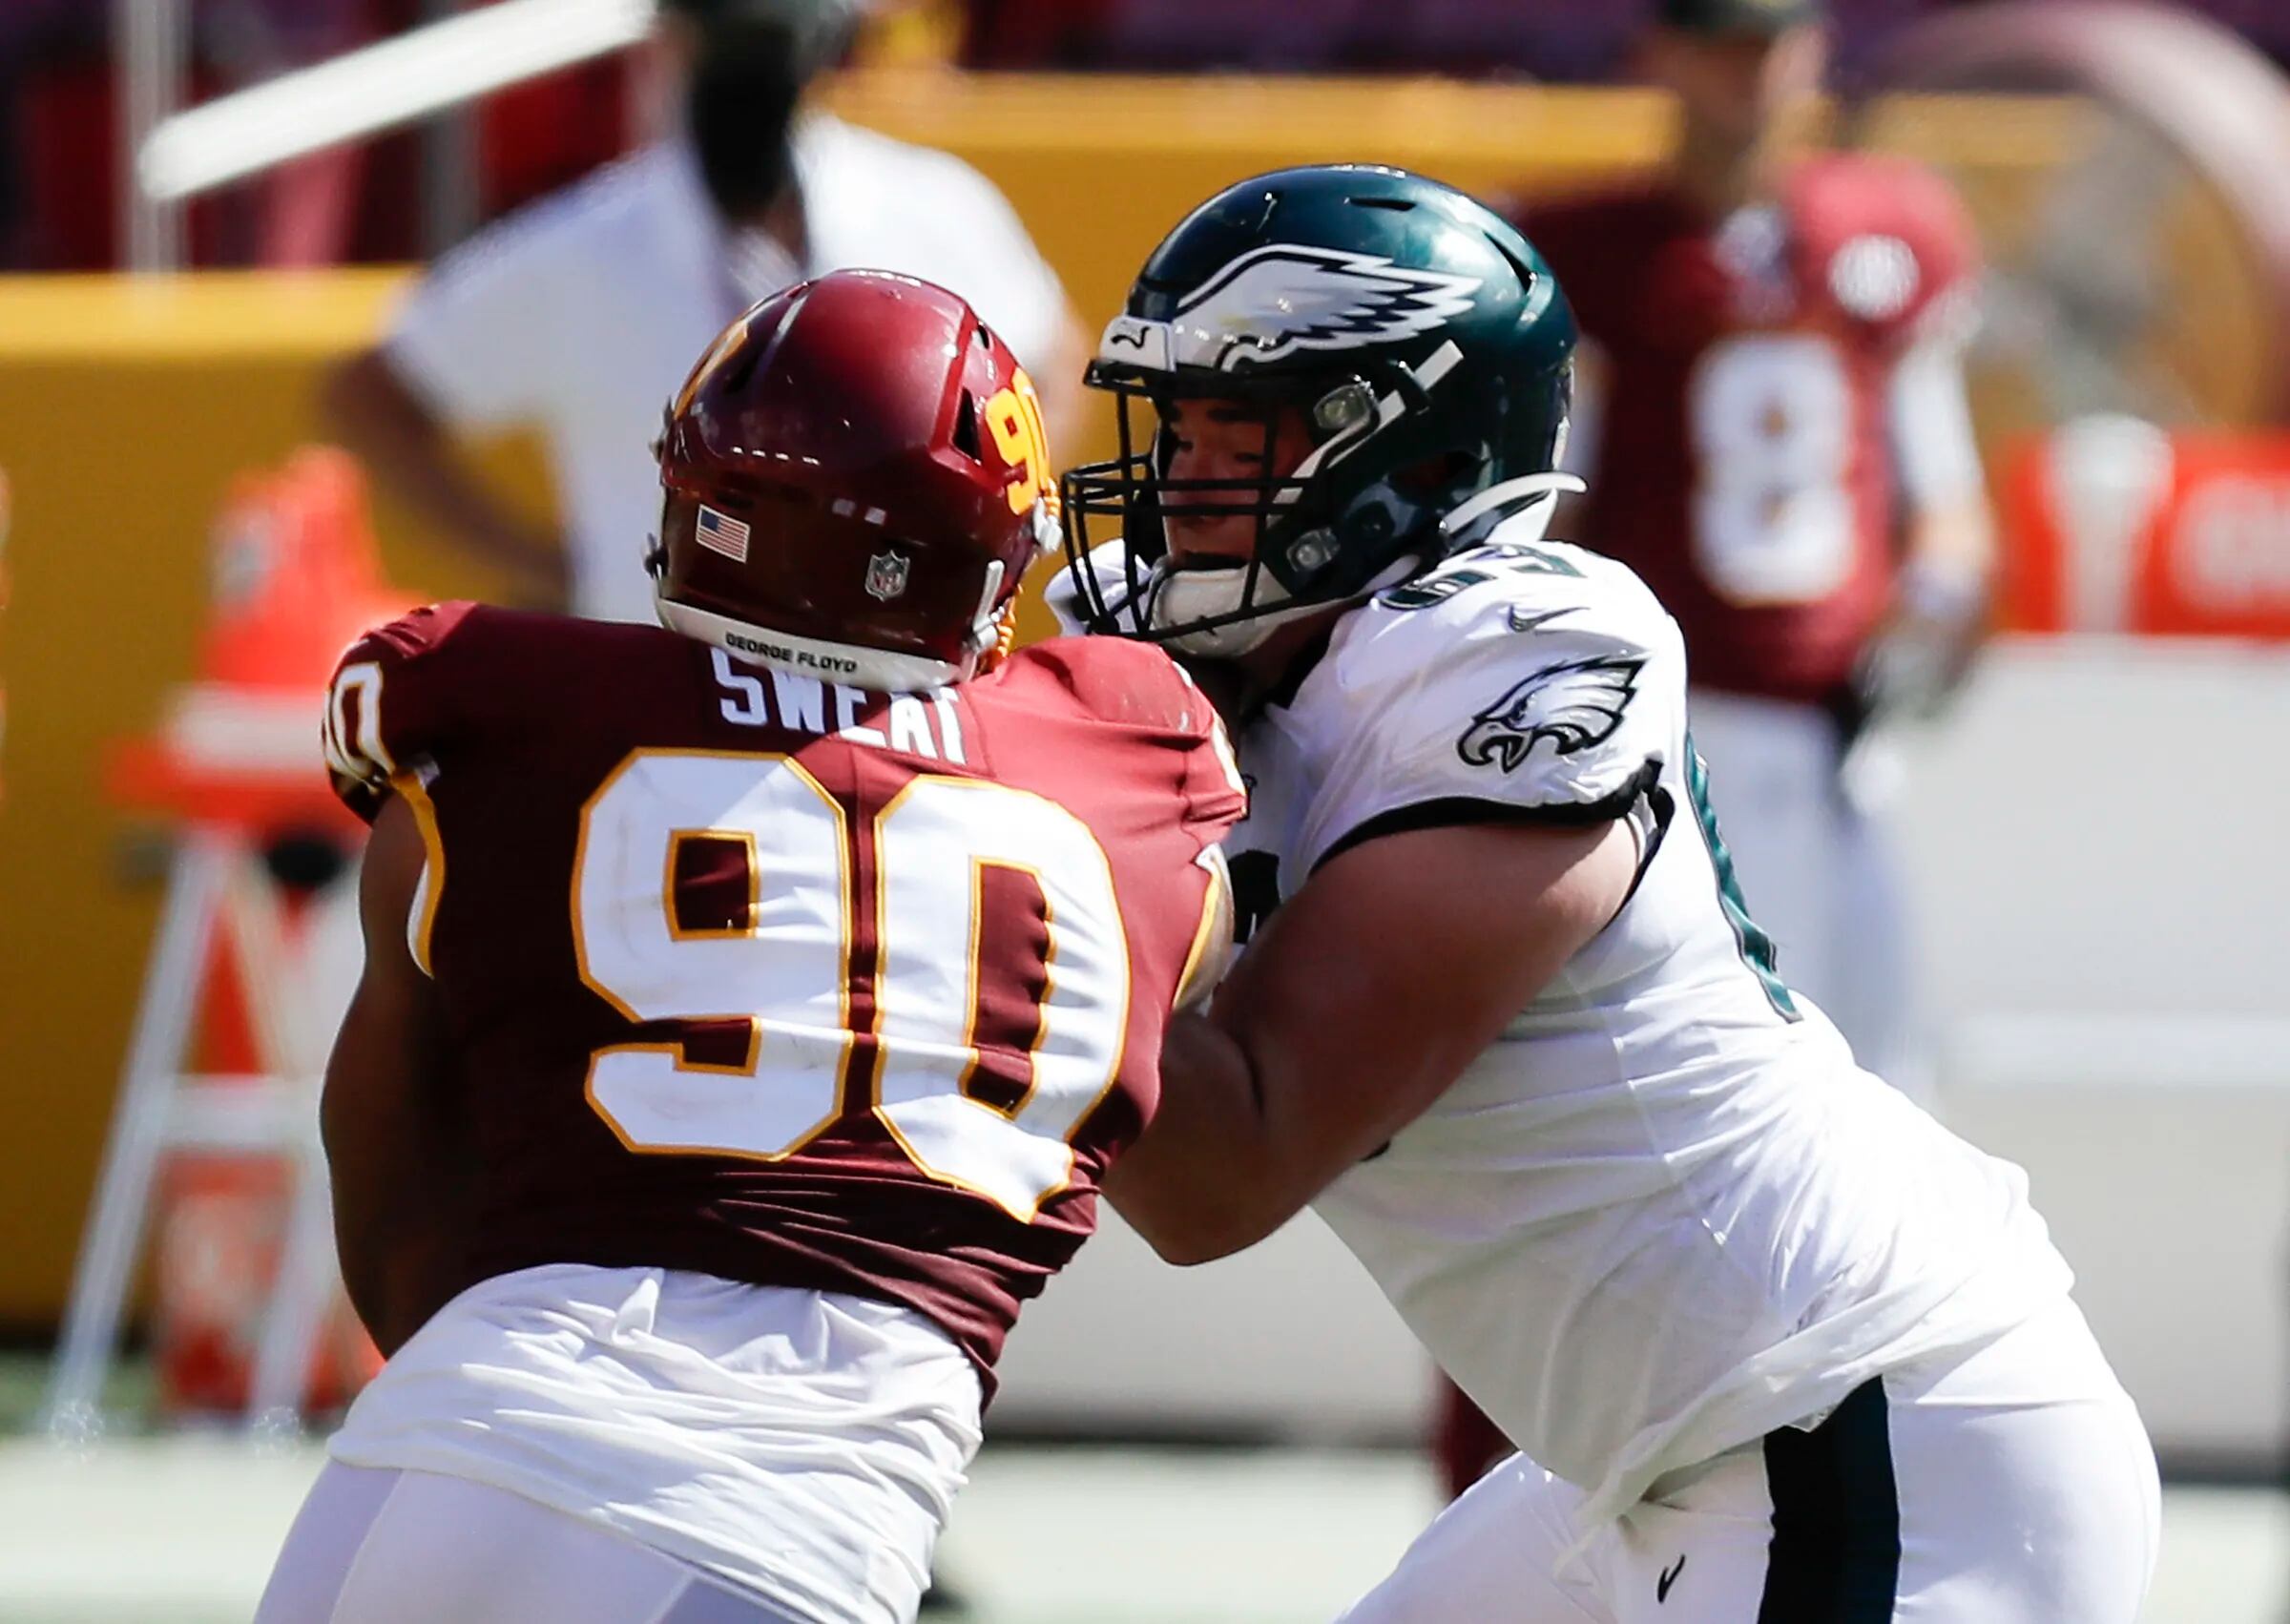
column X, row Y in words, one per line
column 1743, row 465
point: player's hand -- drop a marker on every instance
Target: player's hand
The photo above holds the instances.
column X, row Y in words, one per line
column 1922, row 654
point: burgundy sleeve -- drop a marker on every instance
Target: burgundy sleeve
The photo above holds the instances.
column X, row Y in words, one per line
column 1135, row 685
column 393, row 701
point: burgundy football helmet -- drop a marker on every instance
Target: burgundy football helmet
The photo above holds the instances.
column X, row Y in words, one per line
column 856, row 482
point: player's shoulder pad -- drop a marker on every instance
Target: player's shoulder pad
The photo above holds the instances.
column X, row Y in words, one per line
column 411, row 636
column 1478, row 604
column 1138, row 688
column 1533, row 675
column 396, row 694
column 488, row 646
column 1112, row 680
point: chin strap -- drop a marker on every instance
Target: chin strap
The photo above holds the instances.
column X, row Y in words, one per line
column 1468, row 523
column 1005, row 643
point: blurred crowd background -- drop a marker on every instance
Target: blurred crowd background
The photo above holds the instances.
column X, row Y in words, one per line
column 58, row 202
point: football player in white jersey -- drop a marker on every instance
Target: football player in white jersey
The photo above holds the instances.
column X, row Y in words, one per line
column 1775, row 1344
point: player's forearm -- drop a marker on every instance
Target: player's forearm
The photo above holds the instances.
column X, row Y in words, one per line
column 1947, row 580
column 1204, row 1181
column 1310, row 1060
column 1955, row 541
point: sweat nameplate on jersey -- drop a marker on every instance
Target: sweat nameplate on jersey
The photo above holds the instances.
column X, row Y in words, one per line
column 914, row 724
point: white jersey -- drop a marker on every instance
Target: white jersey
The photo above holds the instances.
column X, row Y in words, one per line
column 803, row 1446
column 1666, row 1213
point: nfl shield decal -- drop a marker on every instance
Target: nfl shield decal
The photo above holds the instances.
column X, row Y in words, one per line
column 886, row 575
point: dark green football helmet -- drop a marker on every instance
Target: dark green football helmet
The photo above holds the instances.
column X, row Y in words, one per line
column 1426, row 343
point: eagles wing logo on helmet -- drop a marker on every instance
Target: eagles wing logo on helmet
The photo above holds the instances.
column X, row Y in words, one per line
column 1287, row 296
column 1573, row 705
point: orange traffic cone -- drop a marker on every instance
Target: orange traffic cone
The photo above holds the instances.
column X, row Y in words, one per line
column 296, row 576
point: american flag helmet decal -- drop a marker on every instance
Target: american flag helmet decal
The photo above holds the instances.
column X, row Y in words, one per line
column 720, row 532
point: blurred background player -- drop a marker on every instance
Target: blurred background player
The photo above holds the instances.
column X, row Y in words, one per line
column 579, row 314
column 1771, row 1335
column 1774, row 427
column 1777, row 439
column 707, row 1033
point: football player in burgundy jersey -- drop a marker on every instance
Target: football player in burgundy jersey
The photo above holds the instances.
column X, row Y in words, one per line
column 1775, row 1344
column 751, row 1006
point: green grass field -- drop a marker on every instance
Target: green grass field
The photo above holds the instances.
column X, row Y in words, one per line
column 180, row 1529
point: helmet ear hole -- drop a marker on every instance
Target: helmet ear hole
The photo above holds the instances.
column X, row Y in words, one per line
column 1526, row 272
column 965, row 435
column 742, row 369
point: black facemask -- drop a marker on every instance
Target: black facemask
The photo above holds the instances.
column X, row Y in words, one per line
column 745, row 87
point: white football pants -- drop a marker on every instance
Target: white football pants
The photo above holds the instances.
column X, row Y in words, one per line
column 2012, row 1486
column 375, row 1547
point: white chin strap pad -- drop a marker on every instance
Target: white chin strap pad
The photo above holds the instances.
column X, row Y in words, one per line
column 1230, row 641
column 1176, row 597
column 851, row 664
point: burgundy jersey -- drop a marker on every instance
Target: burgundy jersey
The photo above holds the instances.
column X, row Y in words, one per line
column 1743, row 468
column 757, row 975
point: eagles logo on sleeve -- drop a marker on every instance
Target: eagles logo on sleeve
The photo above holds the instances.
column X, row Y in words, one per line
column 1575, row 705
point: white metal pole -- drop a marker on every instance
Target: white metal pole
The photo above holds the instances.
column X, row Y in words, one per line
column 151, row 44
column 380, row 87
column 450, row 201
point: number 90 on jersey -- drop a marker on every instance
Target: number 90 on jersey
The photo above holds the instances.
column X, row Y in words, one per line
column 773, row 964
